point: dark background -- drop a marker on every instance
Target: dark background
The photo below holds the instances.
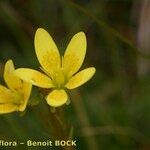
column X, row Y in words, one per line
column 112, row 110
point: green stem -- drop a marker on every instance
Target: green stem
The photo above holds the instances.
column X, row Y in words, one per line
column 59, row 126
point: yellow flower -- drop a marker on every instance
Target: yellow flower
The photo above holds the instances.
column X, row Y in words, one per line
column 15, row 97
column 60, row 72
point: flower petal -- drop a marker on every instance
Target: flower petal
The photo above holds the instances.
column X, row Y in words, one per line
column 26, row 94
column 46, row 51
column 74, row 54
column 8, row 108
column 80, row 78
column 57, row 98
column 2, row 89
column 8, row 96
column 35, row 77
column 12, row 81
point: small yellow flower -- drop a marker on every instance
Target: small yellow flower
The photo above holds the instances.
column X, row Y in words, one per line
column 15, row 97
column 60, row 72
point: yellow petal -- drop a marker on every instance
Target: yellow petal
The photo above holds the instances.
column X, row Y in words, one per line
column 8, row 108
column 74, row 54
column 35, row 77
column 57, row 98
column 12, row 81
column 46, row 51
column 80, row 78
column 26, row 94
column 2, row 89
column 8, row 96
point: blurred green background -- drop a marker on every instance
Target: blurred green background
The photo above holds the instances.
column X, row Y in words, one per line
column 112, row 110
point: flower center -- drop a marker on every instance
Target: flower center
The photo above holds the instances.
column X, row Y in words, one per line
column 17, row 98
column 59, row 78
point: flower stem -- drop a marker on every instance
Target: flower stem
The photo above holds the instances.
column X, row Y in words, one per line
column 60, row 126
